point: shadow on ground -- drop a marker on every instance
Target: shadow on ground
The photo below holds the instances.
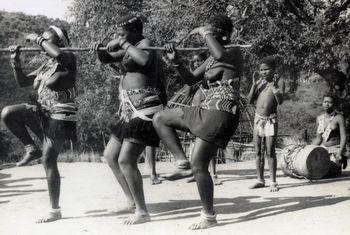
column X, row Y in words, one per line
column 182, row 209
column 7, row 190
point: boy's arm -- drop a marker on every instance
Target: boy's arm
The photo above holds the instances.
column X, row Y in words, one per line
column 278, row 91
column 253, row 90
column 252, row 94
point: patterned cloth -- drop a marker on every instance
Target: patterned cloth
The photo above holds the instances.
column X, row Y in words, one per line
column 144, row 108
column 265, row 125
column 221, row 95
column 59, row 104
column 135, row 118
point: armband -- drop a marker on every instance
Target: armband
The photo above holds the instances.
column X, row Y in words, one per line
column 39, row 40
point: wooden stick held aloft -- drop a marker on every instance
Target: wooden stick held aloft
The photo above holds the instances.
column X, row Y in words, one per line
column 77, row 49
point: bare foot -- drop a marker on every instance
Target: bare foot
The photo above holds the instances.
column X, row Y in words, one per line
column 183, row 164
column 258, row 184
column 274, row 187
column 32, row 153
column 155, row 180
column 137, row 219
column 126, row 210
column 191, row 179
column 206, row 221
column 52, row 216
column 178, row 174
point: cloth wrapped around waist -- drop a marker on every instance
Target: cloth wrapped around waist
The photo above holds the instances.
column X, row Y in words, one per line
column 58, row 105
column 221, row 95
column 265, row 125
column 143, row 108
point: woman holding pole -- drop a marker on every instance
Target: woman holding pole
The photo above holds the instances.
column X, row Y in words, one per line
column 139, row 100
column 52, row 114
column 215, row 121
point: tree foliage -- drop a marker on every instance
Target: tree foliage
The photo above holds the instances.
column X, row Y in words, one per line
column 305, row 35
column 13, row 28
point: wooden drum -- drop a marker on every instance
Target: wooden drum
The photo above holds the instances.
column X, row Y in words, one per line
column 305, row 161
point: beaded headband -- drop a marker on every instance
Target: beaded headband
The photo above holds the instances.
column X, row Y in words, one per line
column 130, row 21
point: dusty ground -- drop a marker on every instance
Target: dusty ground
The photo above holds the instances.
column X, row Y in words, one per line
column 89, row 193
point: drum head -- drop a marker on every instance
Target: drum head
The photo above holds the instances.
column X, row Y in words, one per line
column 317, row 163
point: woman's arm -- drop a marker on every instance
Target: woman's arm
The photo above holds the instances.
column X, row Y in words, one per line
column 139, row 56
column 186, row 75
column 318, row 138
column 21, row 79
column 219, row 53
column 107, row 56
column 342, row 129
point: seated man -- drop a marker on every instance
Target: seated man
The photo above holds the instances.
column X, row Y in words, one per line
column 331, row 134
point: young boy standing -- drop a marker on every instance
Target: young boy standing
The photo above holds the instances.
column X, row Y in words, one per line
column 268, row 96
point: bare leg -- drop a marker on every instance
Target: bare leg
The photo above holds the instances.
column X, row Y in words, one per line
column 202, row 153
column 51, row 149
column 111, row 154
column 165, row 122
column 16, row 118
column 128, row 157
column 150, row 156
column 272, row 160
column 260, row 163
column 214, row 176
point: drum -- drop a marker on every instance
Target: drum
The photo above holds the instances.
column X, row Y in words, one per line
column 305, row 161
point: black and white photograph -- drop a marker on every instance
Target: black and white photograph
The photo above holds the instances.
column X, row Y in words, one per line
column 174, row 117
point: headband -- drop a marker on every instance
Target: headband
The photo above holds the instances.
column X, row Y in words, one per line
column 60, row 34
column 129, row 21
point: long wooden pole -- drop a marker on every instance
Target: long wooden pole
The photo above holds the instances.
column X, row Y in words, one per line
column 37, row 49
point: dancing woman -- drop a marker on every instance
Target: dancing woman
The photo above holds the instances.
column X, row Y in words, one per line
column 140, row 99
column 52, row 114
column 216, row 119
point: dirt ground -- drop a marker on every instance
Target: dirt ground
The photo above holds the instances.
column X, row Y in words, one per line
column 90, row 196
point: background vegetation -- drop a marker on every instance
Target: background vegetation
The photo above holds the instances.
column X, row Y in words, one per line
column 306, row 36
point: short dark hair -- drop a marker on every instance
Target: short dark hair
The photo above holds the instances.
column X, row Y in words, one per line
column 130, row 22
column 65, row 33
column 221, row 22
column 333, row 96
column 270, row 61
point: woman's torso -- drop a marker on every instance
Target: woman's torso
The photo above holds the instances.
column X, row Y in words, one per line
column 333, row 138
column 63, row 91
column 138, row 77
column 221, row 84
